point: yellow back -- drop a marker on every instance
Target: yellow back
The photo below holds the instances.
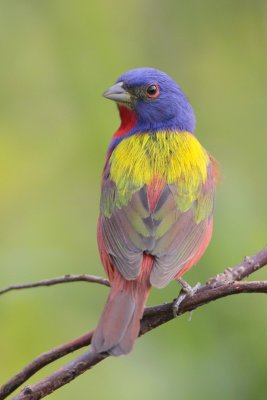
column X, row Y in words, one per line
column 176, row 157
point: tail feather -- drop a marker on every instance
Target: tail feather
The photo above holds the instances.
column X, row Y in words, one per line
column 116, row 317
column 119, row 324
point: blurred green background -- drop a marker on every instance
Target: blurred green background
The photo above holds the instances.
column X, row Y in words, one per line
column 57, row 57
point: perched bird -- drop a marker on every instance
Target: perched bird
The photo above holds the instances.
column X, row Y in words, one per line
column 156, row 208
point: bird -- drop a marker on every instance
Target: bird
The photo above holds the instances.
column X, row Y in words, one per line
column 157, row 201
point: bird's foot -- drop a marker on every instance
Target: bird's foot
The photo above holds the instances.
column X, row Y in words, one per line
column 187, row 291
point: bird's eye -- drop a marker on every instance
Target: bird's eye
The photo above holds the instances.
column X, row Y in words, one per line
column 152, row 91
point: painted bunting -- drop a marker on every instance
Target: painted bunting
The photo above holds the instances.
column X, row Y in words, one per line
column 156, row 208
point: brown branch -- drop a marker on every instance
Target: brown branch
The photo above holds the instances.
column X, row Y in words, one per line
column 43, row 360
column 154, row 317
column 61, row 377
column 57, row 281
column 250, row 265
column 222, row 285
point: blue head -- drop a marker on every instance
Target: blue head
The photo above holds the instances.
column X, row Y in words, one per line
column 155, row 98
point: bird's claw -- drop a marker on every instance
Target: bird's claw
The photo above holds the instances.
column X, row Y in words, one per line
column 177, row 302
column 187, row 291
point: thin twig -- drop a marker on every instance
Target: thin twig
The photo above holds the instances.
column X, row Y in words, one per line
column 57, row 281
column 43, row 360
column 163, row 312
column 64, row 375
column 247, row 267
column 222, row 285
column 153, row 317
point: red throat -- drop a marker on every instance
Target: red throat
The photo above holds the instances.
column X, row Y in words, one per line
column 128, row 121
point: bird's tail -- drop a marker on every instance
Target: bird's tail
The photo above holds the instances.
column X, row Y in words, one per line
column 119, row 323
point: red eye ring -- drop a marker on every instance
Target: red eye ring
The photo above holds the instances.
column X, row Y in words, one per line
column 152, row 91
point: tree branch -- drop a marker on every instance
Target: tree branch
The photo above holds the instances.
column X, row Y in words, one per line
column 57, row 281
column 250, row 265
column 154, row 317
column 222, row 285
column 43, row 360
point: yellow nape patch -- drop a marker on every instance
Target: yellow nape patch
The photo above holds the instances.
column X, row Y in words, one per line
column 176, row 157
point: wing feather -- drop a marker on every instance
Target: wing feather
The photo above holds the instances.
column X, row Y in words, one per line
column 173, row 230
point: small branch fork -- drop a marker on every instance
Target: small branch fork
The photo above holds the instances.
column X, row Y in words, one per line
column 224, row 284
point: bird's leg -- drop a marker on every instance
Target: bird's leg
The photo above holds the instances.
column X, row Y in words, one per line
column 187, row 291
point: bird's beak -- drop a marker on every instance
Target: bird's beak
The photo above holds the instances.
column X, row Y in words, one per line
column 118, row 93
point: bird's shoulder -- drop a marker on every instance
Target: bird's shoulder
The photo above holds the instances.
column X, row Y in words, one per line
column 171, row 155
column 177, row 159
